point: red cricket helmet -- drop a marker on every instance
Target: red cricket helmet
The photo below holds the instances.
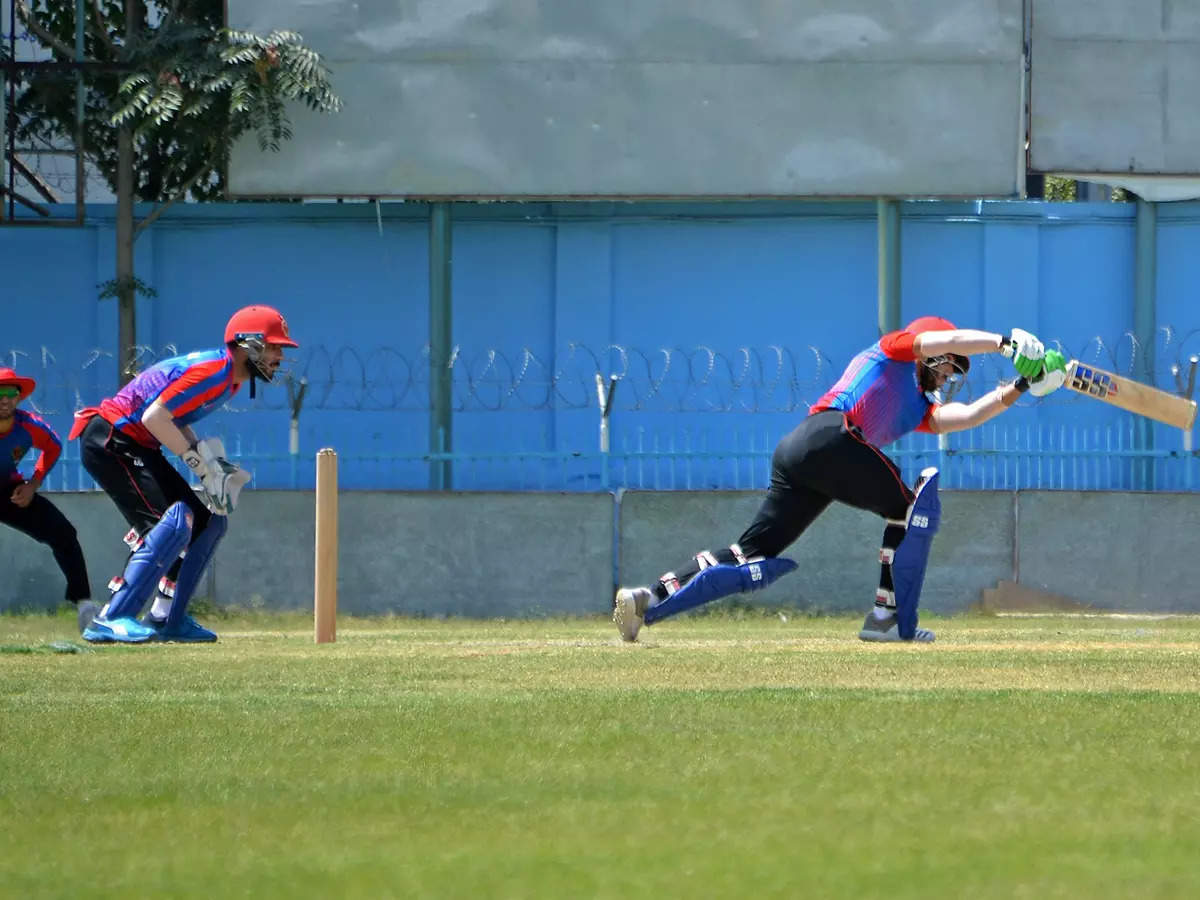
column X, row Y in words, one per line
column 264, row 323
column 929, row 323
column 253, row 328
column 937, row 323
column 24, row 385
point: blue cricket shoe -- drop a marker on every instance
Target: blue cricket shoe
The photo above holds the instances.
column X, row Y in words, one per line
column 188, row 631
column 124, row 630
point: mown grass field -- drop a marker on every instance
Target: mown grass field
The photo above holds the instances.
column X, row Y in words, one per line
column 726, row 756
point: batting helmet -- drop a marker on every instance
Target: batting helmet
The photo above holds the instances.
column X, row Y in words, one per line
column 937, row 323
column 254, row 327
column 265, row 323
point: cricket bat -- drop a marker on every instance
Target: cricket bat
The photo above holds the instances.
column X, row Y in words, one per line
column 1132, row 396
column 1138, row 398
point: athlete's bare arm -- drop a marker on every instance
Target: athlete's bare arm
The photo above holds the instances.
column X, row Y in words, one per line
column 963, row 341
column 961, row 416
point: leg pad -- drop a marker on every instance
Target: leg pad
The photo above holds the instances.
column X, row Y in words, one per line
column 720, row 581
column 912, row 556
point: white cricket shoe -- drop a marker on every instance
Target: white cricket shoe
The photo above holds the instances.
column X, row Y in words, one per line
column 887, row 631
column 629, row 611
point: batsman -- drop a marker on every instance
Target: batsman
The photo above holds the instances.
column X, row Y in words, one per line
column 174, row 530
column 903, row 382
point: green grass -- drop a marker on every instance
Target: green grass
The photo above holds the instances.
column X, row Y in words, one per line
column 727, row 756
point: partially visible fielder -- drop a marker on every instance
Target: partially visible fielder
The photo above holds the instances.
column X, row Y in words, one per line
column 21, row 506
column 173, row 532
column 897, row 385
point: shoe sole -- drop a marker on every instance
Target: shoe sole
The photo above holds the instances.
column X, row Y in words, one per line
column 625, row 616
column 99, row 637
column 877, row 637
column 164, row 639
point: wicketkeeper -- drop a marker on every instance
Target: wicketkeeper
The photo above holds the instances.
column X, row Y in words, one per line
column 174, row 531
column 901, row 383
column 21, row 506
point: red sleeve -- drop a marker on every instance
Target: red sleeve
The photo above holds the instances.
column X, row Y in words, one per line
column 898, row 345
column 47, row 441
column 926, row 426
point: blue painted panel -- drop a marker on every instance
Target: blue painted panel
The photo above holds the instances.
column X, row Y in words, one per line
column 726, row 321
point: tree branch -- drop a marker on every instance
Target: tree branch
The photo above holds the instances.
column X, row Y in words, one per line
column 171, row 201
column 44, row 36
column 101, row 29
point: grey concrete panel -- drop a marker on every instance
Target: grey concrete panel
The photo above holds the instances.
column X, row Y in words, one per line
column 487, row 555
column 1112, row 85
column 838, row 556
column 667, row 30
column 541, row 554
column 1115, row 551
column 490, row 555
column 973, row 549
column 500, row 98
column 31, row 579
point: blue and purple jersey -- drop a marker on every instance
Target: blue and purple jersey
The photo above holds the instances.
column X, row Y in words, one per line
column 879, row 391
column 190, row 386
column 28, row 430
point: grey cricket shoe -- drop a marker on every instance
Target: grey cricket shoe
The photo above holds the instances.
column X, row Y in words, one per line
column 887, row 631
column 85, row 611
column 629, row 611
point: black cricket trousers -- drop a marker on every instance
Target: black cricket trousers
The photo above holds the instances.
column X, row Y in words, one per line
column 825, row 458
column 46, row 524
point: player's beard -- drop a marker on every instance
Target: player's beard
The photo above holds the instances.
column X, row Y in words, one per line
column 927, row 379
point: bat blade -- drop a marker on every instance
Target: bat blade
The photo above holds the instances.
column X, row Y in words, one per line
column 1133, row 396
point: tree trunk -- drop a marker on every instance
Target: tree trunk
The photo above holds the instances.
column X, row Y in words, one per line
column 126, row 286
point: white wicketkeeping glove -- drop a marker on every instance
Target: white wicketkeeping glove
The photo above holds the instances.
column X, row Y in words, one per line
column 221, row 480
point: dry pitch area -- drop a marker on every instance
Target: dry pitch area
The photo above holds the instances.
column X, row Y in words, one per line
column 727, row 755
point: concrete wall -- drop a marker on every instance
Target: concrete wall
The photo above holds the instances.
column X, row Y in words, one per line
column 484, row 555
column 838, row 555
column 529, row 554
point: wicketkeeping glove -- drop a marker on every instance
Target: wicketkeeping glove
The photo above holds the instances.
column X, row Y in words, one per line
column 221, row 480
column 1027, row 353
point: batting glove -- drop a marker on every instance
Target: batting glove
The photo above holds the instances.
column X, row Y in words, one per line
column 1054, row 375
column 1027, row 353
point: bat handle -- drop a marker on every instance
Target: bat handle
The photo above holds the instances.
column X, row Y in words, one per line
column 1006, row 348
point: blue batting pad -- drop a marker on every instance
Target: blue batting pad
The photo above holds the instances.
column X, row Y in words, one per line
column 720, row 581
column 198, row 555
column 161, row 545
column 908, row 566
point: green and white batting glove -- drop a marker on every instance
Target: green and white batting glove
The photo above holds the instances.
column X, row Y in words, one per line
column 1054, row 375
column 1027, row 353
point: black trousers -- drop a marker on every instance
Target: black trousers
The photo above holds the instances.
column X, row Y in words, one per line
column 139, row 480
column 823, row 459
column 45, row 523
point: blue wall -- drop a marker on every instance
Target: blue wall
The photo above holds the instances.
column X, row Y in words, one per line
column 696, row 304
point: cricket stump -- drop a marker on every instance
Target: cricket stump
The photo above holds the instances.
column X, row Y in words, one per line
column 325, row 572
